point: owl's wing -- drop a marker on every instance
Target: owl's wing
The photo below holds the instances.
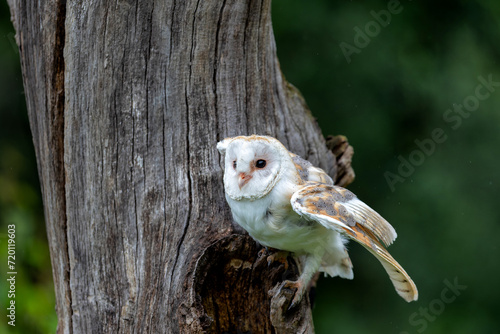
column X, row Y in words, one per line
column 339, row 209
column 308, row 172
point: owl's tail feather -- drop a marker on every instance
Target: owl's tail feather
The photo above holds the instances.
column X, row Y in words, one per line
column 400, row 279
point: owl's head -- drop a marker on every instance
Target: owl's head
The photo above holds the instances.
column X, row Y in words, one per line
column 253, row 165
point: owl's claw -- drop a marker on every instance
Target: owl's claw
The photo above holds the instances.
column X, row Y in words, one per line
column 300, row 289
column 273, row 255
column 263, row 252
column 278, row 256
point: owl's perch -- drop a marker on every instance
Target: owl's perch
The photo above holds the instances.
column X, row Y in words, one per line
column 343, row 153
column 231, row 291
column 126, row 102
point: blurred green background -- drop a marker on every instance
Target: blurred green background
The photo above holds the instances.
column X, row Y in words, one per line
column 395, row 90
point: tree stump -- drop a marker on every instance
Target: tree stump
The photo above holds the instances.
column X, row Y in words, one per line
column 126, row 102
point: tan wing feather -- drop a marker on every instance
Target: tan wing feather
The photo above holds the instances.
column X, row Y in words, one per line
column 329, row 205
column 369, row 218
column 341, row 203
column 308, row 172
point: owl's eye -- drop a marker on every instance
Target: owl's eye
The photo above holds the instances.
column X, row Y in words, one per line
column 260, row 163
column 234, row 164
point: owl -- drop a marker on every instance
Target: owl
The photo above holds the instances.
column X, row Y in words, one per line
column 284, row 202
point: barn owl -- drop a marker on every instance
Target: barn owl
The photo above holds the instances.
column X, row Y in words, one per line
column 284, row 202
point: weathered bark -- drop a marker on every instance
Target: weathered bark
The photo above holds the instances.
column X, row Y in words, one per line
column 127, row 101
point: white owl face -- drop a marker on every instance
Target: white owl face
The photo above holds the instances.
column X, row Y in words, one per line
column 253, row 165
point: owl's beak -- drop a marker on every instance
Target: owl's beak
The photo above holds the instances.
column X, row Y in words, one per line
column 243, row 179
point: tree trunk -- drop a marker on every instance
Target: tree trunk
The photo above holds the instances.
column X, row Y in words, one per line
column 127, row 101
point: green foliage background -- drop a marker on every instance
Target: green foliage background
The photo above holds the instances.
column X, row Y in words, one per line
column 393, row 92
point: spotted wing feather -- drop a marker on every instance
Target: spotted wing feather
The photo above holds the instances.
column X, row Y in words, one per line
column 339, row 209
column 308, row 172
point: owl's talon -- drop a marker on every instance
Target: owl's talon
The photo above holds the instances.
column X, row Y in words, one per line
column 299, row 288
column 263, row 252
column 278, row 256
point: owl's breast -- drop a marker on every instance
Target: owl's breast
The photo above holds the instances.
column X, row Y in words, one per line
column 276, row 225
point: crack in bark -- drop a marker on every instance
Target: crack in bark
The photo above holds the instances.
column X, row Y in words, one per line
column 57, row 107
column 245, row 53
column 188, row 160
column 216, row 65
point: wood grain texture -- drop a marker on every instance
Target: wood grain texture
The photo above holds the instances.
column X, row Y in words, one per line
column 127, row 101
